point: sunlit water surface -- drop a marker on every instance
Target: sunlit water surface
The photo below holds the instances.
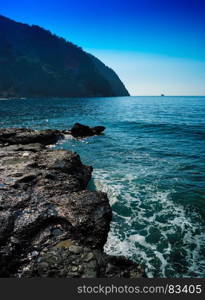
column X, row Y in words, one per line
column 150, row 161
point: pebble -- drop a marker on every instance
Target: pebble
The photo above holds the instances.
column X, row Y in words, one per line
column 75, row 249
column 34, row 253
column 88, row 257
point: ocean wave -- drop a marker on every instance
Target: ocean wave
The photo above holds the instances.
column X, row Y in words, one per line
column 156, row 232
column 182, row 129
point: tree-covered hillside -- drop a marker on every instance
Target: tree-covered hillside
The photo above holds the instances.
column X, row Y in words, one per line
column 36, row 63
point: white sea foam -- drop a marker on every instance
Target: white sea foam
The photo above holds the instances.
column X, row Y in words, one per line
column 153, row 205
column 102, row 183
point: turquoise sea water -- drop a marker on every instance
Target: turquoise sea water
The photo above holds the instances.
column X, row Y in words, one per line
column 150, row 161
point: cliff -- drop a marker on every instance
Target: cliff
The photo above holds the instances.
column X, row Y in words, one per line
column 51, row 225
column 36, row 63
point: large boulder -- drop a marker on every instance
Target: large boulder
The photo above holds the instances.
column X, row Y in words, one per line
column 50, row 224
column 98, row 129
column 70, row 260
column 79, row 130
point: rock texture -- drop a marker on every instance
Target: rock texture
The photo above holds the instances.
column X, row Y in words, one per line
column 50, row 224
column 69, row 260
column 22, row 136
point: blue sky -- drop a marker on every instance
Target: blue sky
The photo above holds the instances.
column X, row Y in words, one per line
column 154, row 46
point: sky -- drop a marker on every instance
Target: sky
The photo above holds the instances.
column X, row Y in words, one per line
column 155, row 46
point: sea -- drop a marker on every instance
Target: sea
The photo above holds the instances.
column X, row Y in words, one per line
column 151, row 163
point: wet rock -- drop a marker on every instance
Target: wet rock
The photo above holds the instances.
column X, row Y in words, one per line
column 50, row 224
column 98, row 129
column 62, row 262
column 88, row 257
column 35, row 147
column 43, row 200
column 6, row 225
column 57, row 232
column 119, row 266
column 64, row 244
column 89, row 215
column 79, row 130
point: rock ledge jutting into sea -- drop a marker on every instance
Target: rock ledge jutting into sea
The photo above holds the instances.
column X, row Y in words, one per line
column 51, row 225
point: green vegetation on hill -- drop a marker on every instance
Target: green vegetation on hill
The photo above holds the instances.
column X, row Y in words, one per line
column 36, row 63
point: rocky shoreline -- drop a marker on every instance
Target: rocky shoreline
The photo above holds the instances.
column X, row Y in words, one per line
column 51, row 225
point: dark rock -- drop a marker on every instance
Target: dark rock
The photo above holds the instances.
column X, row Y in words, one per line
column 80, row 130
column 98, row 129
column 50, row 224
column 6, row 225
column 119, row 266
column 24, row 136
column 83, row 263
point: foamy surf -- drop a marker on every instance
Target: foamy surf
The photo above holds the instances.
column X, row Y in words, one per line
column 158, row 232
